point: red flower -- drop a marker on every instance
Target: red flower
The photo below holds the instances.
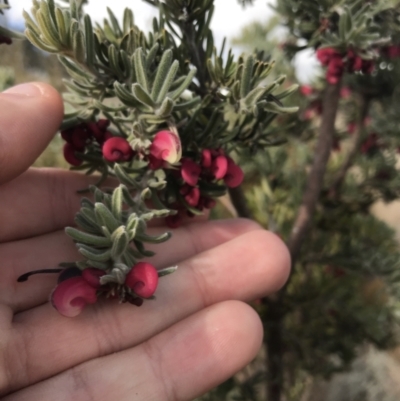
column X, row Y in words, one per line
column 190, row 172
column 69, row 155
column 92, row 276
column 117, row 149
column 234, row 175
column 392, row 51
column 193, row 197
column 220, row 167
column 306, row 90
column 166, row 146
column 335, row 70
column 206, row 158
column 142, row 279
column 326, row 54
column 71, row 296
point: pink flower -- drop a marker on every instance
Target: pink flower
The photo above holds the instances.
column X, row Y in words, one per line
column 206, row 158
column 392, row 51
column 367, row 66
column 306, row 90
column 71, row 296
column 142, row 279
column 335, row 70
column 166, row 146
column 69, row 155
column 92, row 276
column 220, row 167
column 193, row 197
column 190, row 172
column 117, row 149
column 103, row 124
column 326, row 54
column 234, row 175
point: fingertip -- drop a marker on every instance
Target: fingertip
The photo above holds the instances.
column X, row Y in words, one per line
column 30, row 115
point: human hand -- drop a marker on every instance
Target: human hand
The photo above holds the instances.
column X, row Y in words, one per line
column 197, row 333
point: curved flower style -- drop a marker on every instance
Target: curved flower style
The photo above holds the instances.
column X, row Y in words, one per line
column 166, row 146
column 71, row 295
column 142, row 279
column 117, row 149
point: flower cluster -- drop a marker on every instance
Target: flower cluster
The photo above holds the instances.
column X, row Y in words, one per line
column 337, row 63
column 392, row 51
column 212, row 167
column 79, row 136
column 76, row 288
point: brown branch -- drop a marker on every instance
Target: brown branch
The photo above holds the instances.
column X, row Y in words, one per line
column 357, row 140
column 239, row 202
column 316, row 176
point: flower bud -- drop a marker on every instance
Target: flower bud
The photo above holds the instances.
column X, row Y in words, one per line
column 173, row 221
column 92, row 276
column 220, row 167
column 326, row 54
column 71, row 295
column 117, row 149
column 190, row 172
column 193, row 197
column 206, row 158
column 234, row 175
column 166, row 146
column 69, row 155
column 142, row 279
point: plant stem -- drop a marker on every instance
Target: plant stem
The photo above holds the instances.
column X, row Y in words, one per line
column 239, row 202
column 316, row 176
column 357, row 140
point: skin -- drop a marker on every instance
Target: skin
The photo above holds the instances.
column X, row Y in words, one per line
column 196, row 334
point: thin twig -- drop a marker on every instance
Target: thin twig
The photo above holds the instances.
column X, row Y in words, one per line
column 357, row 140
column 316, row 176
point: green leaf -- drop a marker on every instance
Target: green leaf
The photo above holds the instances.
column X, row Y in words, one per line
column 128, row 20
column 167, row 271
column 120, row 242
column 140, row 69
column 162, row 72
column 246, row 76
column 142, row 96
column 78, row 46
column 114, row 22
column 89, row 40
column 184, row 85
column 116, row 202
column 62, row 27
column 154, row 239
column 89, row 239
column 169, row 79
column 94, row 254
column 34, row 38
column 166, row 108
column 47, row 29
column 105, row 218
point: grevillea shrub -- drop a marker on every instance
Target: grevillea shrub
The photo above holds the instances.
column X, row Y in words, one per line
column 165, row 120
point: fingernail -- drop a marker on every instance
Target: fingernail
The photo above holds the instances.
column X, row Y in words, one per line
column 28, row 90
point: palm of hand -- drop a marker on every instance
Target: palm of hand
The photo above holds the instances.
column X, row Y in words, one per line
column 197, row 333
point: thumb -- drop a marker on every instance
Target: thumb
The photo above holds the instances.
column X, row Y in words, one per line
column 30, row 114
